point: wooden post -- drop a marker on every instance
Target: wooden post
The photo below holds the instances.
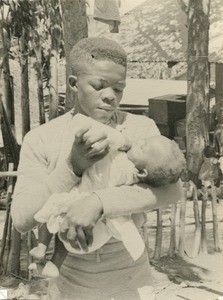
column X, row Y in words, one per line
column 215, row 217
column 145, row 233
column 219, row 83
column 204, row 248
column 29, row 257
column 193, row 251
column 197, row 240
column 183, row 203
column 25, row 108
column 159, row 228
column 8, row 245
column 8, row 80
column 14, row 256
column 5, row 244
column 54, row 97
column 39, row 71
column 172, row 247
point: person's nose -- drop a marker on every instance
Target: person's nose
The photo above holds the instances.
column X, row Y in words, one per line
column 108, row 96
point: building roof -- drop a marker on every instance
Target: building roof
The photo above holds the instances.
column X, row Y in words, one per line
column 156, row 31
column 138, row 91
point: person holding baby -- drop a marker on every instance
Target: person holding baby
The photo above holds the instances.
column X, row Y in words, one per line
column 56, row 155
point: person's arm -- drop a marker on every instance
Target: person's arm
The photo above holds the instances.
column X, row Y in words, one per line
column 38, row 180
column 35, row 183
column 117, row 201
column 82, row 215
column 125, row 200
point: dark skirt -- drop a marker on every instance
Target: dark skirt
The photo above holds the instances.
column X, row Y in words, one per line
column 105, row 274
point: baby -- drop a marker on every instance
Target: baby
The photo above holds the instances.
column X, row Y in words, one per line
column 156, row 161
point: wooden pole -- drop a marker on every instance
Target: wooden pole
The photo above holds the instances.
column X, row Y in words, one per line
column 25, row 107
column 172, row 247
column 8, row 81
column 5, row 246
column 145, row 233
column 9, row 174
column 219, row 83
column 183, row 202
column 215, row 217
column 197, row 241
column 193, row 251
column 204, row 248
column 54, row 97
column 8, row 245
column 39, row 71
column 14, row 255
column 158, row 245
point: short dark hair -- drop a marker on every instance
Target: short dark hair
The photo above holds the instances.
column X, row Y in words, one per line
column 167, row 169
column 89, row 50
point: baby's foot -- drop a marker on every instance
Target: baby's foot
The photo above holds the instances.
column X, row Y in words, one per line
column 50, row 270
column 36, row 269
column 39, row 251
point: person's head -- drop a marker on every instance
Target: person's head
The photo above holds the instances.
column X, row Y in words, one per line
column 98, row 77
column 159, row 160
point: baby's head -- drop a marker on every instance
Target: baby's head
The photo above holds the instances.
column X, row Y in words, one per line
column 158, row 159
column 89, row 51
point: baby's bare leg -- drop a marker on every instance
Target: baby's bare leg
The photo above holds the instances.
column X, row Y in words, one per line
column 52, row 267
column 44, row 235
column 60, row 253
column 44, row 239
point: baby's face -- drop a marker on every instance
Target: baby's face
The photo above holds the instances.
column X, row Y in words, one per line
column 147, row 152
column 141, row 154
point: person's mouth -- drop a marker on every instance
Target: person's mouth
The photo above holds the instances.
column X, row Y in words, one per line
column 106, row 108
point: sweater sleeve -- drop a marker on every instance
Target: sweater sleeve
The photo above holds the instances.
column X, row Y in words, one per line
column 35, row 184
column 125, row 200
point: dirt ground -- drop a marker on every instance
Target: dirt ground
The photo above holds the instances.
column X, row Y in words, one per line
column 199, row 278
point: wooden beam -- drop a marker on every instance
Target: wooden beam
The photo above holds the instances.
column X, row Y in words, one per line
column 9, row 174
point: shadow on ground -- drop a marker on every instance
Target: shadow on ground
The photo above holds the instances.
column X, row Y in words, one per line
column 178, row 269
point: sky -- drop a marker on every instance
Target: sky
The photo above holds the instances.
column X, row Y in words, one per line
column 126, row 5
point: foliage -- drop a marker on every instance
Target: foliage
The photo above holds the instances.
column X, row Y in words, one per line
column 40, row 20
column 48, row 24
column 37, row 24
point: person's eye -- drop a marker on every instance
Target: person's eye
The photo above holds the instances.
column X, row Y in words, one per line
column 118, row 90
column 97, row 87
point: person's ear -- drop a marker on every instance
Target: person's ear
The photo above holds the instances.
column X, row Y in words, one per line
column 142, row 173
column 72, row 80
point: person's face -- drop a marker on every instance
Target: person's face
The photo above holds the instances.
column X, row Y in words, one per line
column 145, row 153
column 100, row 89
column 141, row 154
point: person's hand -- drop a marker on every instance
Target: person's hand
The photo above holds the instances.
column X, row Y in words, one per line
column 77, row 226
column 90, row 145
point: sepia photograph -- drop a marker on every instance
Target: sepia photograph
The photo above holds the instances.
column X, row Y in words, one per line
column 111, row 149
